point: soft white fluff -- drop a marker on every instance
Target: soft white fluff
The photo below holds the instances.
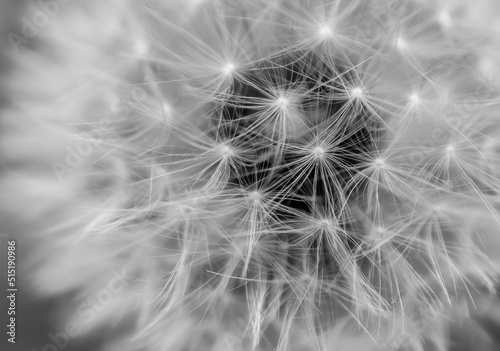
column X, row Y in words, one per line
column 116, row 150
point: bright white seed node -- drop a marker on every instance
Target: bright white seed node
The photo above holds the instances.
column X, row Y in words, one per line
column 414, row 98
column 357, row 92
column 445, row 19
column 167, row 111
column 326, row 224
column 282, row 102
column 325, row 32
column 255, row 196
column 379, row 162
column 450, row 149
column 228, row 69
column 141, row 47
column 400, row 43
column 167, row 108
column 226, row 150
column 319, row 152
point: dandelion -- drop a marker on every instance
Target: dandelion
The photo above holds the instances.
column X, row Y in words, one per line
column 276, row 175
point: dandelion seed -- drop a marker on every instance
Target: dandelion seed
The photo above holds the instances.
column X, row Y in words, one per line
column 226, row 151
column 445, row 19
column 401, row 43
column 282, row 102
column 319, row 152
column 379, row 162
column 325, row 223
column 167, row 109
column 414, row 98
column 255, row 196
column 332, row 169
column 357, row 93
column 325, row 32
column 141, row 47
column 228, row 69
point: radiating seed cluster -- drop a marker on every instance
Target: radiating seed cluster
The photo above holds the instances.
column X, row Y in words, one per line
column 275, row 175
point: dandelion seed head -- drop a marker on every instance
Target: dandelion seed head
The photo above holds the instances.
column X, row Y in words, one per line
column 379, row 162
column 226, row 150
column 288, row 179
column 167, row 111
column 401, row 43
column 167, row 108
column 318, row 152
column 141, row 47
column 325, row 32
column 357, row 93
column 228, row 69
column 327, row 223
column 282, row 102
column 255, row 196
column 414, row 99
column 445, row 19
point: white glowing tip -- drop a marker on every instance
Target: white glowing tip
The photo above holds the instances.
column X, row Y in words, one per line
column 282, row 101
column 167, row 109
column 444, row 19
column 379, row 162
column 228, row 69
column 255, row 196
column 325, row 223
column 325, row 31
column 319, row 151
column 141, row 47
column 357, row 92
column 450, row 149
column 226, row 150
column 414, row 98
column 487, row 65
column 400, row 43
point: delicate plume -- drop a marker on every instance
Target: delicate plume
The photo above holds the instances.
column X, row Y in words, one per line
column 257, row 174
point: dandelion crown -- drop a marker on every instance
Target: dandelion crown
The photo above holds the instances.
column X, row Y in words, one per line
column 264, row 175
